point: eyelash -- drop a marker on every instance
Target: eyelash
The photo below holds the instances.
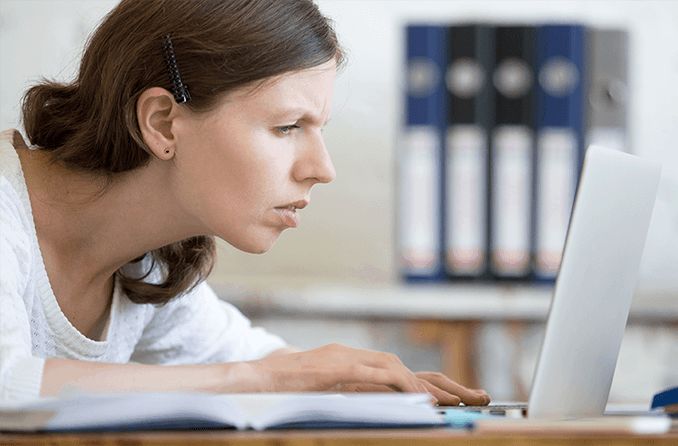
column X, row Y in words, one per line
column 285, row 130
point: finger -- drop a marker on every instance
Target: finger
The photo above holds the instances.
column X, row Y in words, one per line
column 443, row 398
column 468, row 396
column 485, row 394
column 482, row 392
column 431, row 390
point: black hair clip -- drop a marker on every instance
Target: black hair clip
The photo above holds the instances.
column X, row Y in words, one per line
column 179, row 89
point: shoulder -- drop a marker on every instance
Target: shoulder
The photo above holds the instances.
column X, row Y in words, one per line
column 10, row 141
column 15, row 211
column 14, row 202
column 15, row 220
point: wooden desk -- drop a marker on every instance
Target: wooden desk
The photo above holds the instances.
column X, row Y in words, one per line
column 424, row 437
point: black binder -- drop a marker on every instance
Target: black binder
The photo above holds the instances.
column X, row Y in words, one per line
column 512, row 152
column 470, row 54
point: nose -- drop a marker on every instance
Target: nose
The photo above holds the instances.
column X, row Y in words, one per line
column 314, row 162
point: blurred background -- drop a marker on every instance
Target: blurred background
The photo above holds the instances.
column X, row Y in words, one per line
column 336, row 279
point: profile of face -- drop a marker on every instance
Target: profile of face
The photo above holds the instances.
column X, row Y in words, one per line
column 244, row 170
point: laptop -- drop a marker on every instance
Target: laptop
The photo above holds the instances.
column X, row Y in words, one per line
column 595, row 285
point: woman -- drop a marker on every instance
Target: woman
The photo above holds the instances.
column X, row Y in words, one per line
column 187, row 120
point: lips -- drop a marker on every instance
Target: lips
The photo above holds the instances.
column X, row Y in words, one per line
column 288, row 213
column 299, row 204
column 288, row 216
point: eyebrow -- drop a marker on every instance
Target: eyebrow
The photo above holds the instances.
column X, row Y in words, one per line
column 300, row 114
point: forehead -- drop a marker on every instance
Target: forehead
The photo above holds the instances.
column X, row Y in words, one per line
column 305, row 90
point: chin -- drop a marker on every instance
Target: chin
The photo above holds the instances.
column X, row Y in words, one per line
column 257, row 251
column 254, row 245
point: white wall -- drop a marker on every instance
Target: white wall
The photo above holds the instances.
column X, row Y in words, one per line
column 347, row 232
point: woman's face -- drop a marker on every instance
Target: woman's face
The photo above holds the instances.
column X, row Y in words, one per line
column 245, row 169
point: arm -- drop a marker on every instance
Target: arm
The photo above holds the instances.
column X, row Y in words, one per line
column 284, row 351
column 326, row 368
column 281, row 369
column 68, row 374
column 194, row 343
column 60, row 374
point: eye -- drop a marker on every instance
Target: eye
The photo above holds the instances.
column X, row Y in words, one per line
column 287, row 129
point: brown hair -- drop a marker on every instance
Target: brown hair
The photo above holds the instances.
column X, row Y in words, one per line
column 90, row 124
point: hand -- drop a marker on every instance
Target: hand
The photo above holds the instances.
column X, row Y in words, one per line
column 449, row 393
column 333, row 367
column 343, row 369
column 443, row 390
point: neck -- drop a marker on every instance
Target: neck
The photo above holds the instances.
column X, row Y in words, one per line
column 93, row 230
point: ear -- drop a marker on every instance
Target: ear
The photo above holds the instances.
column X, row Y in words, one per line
column 156, row 110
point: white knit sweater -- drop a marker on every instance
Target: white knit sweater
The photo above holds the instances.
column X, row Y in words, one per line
column 195, row 328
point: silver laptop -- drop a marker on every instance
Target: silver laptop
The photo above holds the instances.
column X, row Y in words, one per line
column 595, row 285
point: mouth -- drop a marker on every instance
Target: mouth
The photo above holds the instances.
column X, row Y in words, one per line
column 288, row 213
column 299, row 204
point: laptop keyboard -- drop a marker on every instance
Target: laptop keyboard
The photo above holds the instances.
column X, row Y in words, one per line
column 517, row 410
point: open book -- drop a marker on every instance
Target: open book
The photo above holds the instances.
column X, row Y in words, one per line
column 147, row 411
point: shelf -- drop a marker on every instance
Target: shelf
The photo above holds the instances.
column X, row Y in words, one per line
column 484, row 302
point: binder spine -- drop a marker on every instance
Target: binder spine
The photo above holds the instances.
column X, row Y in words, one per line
column 421, row 157
column 470, row 50
column 511, row 153
column 607, row 88
column 560, row 68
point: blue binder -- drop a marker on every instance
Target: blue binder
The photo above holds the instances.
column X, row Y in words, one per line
column 668, row 400
column 421, row 156
column 560, row 138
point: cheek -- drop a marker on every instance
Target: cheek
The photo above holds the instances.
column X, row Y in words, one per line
column 243, row 179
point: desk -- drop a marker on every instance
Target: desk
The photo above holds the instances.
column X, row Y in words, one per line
column 424, row 437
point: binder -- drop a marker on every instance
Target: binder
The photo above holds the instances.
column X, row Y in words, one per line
column 421, row 156
column 607, row 82
column 511, row 153
column 560, row 95
column 470, row 51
